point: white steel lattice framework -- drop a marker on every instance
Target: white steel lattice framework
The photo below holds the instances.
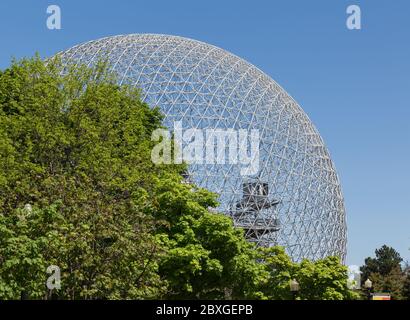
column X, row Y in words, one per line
column 295, row 200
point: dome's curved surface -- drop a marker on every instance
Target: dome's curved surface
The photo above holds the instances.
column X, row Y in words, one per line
column 207, row 87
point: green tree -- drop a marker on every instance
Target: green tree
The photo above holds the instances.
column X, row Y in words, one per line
column 207, row 258
column 281, row 270
column 384, row 271
column 392, row 283
column 76, row 147
column 324, row 279
column 386, row 260
column 406, row 283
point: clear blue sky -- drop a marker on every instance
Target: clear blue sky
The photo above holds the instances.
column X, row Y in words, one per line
column 354, row 85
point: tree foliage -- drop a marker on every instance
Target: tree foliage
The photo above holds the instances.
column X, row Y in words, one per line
column 385, row 272
column 324, row 279
column 386, row 260
column 406, row 284
column 76, row 147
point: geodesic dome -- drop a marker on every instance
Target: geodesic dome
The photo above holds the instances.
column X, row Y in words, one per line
column 294, row 199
